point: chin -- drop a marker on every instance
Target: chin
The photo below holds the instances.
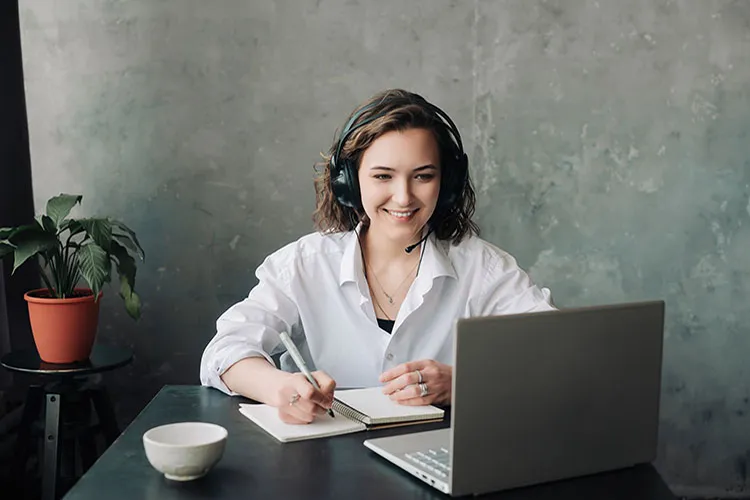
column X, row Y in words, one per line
column 404, row 233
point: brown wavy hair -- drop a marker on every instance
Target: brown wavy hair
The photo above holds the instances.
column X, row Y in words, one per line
column 400, row 110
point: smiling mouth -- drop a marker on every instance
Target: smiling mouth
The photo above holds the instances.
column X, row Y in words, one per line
column 402, row 214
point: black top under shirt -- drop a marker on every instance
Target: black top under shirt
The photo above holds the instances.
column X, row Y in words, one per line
column 386, row 324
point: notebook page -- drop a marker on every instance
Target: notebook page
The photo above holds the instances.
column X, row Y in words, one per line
column 380, row 409
column 267, row 418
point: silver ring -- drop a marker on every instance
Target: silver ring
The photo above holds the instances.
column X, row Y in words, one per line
column 419, row 374
column 294, row 399
column 423, row 390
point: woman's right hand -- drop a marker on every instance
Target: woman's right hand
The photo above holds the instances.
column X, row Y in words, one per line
column 298, row 401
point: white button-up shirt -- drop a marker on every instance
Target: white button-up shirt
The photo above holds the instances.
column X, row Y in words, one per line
column 315, row 289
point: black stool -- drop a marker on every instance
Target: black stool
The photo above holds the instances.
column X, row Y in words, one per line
column 67, row 398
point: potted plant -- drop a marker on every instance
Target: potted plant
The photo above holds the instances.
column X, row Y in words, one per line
column 63, row 316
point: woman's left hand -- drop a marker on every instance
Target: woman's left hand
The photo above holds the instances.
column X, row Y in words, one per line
column 402, row 383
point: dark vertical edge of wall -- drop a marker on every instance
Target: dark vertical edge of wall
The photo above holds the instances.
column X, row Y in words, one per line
column 16, row 194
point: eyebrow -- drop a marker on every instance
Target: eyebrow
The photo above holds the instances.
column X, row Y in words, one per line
column 418, row 169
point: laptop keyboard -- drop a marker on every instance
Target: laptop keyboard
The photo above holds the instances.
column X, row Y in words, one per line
column 437, row 461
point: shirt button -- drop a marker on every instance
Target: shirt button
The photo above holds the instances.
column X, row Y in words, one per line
column 389, row 356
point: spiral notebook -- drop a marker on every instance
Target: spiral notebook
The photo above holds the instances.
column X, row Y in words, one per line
column 355, row 409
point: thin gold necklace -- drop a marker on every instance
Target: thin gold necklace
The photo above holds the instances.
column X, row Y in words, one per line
column 389, row 296
column 377, row 303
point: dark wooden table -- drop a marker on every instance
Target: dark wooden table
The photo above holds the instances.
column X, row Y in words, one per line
column 257, row 466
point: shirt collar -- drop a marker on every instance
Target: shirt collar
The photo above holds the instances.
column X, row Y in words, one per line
column 351, row 262
column 435, row 261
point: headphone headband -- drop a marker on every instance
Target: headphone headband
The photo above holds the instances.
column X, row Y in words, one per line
column 351, row 127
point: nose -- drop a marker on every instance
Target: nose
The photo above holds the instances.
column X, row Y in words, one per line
column 402, row 194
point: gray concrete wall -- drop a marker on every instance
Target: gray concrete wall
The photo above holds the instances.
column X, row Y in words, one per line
column 608, row 140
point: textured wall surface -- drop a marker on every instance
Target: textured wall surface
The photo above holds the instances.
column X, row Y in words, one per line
column 608, row 142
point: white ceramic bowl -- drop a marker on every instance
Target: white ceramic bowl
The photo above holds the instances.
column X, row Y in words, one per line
column 185, row 450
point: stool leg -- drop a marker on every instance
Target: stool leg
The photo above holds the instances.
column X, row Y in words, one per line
column 106, row 415
column 31, row 410
column 51, row 447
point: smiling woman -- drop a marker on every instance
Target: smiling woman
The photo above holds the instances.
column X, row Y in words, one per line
column 362, row 306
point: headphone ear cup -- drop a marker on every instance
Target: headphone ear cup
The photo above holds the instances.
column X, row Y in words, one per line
column 345, row 185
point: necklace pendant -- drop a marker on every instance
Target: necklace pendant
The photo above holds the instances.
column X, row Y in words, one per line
column 390, row 299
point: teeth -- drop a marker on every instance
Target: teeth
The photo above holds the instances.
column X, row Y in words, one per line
column 400, row 214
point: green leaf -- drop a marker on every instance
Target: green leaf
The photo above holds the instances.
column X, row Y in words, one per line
column 72, row 225
column 21, row 229
column 132, row 300
column 29, row 242
column 6, row 245
column 60, row 206
column 125, row 241
column 46, row 223
column 126, row 268
column 95, row 266
column 129, row 233
column 125, row 263
column 100, row 230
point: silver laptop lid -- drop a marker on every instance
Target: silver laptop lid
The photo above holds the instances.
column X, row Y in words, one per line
column 566, row 393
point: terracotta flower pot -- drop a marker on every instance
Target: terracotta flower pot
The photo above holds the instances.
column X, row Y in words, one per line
column 63, row 329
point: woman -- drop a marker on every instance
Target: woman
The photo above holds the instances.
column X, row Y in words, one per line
column 373, row 296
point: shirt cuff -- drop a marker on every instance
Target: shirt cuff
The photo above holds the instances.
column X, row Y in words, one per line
column 219, row 366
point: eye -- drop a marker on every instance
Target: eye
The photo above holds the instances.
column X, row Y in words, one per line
column 425, row 177
column 382, row 177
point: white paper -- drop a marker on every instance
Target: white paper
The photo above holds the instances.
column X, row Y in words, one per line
column 379, row 407
column 267, row 418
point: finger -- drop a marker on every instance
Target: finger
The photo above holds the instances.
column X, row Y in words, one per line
column 300, row 408
column 327, row 386
column 289, row 418
column 401, row 382
column 401, row 369
column 415, row 402
column 309, row 394
column 303, row 409
column 394, row 372
column 303, row 403
column 408, row 392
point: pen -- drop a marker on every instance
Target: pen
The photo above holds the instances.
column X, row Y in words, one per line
column 297, row 357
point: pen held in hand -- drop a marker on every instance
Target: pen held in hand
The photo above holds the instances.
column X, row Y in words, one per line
column 297, row 358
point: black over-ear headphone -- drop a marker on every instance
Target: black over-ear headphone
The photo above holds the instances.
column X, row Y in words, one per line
column 454, row 171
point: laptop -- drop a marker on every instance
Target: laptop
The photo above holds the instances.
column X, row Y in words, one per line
column 543, row 396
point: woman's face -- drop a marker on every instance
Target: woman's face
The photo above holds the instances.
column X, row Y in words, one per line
column 399, row 179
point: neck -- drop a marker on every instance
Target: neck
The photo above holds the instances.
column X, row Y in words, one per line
column 381, row 251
